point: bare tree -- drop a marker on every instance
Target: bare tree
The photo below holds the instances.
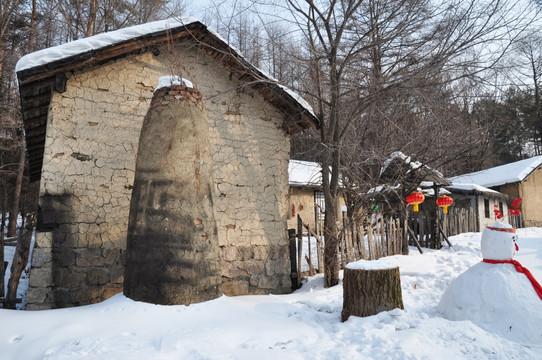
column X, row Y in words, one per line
column 529, row 67
column 8, row 9
column 361, row 52
column 91, row 22
column 10, row 125
column 32, row 27
column 66, row 20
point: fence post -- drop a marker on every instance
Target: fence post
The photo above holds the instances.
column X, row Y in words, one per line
column 404, row 235
column 299, row 247
column 370, row 241
column 309, row 247
column 293, row 258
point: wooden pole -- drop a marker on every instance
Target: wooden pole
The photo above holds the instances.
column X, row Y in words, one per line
column 354, row 243
column 2, row 228
column 404, row 243
column 12, row 226
column 309, row 249
column 382, row 237
column 445, row 237
column 345, row 253
column 421, row 228
column 361, row 240
column 415, row 239
column 320, row 250
column 370, row 241
column 436, row 224
column 311, row 267
column 293, row 258
column 299, row 247
column 318, row 246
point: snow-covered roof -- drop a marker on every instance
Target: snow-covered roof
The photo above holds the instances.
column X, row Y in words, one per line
column 431, row 192
column 500, row 175
column 471, row 187
column 398, row 155
column 43, row 70
column 304, row 173
column 96, row 42
column 383, row 189
column 103, row 40
column 428, row 190
column 414, row 170
column 107, row 39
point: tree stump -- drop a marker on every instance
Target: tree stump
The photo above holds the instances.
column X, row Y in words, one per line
column 370, row 287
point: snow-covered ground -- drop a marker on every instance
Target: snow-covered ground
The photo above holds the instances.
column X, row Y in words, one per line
column 302, row 325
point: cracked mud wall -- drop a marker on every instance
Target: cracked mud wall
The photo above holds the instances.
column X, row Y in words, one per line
column 88, row 172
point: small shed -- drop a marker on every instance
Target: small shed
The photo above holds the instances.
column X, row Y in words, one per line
column 400, row 175
column 520, row 179
column 83, row 107
column 306, row 195
column 483, row 201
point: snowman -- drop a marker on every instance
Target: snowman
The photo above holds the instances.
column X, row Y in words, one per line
column 497, row 294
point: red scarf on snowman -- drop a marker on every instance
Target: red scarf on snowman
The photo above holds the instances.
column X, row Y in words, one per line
column 518, row 266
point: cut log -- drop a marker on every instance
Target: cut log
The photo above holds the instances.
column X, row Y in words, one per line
column 370, row 287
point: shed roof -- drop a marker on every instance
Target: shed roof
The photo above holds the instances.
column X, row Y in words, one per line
column 304, row 173
column 42, row 71
column 473, row 189
column 501, row 175
column 411, row 172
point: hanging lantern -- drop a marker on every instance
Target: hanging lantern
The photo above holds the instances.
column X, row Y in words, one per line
column 415, row 199
column 443, row 202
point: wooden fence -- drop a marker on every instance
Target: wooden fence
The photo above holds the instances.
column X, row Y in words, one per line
column 369, row 238
column 459, row 220
column 375, row 236
column 423, row 231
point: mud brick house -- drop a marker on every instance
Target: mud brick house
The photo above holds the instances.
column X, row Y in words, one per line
column 83, row 107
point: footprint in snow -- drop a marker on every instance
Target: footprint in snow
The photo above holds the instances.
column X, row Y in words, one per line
column 16, row 339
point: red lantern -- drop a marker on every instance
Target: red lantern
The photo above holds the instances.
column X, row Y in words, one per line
column 443, row 202
column 415, row 199
column 293, row 210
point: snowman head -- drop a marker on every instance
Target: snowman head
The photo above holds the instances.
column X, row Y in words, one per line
column 499, row 242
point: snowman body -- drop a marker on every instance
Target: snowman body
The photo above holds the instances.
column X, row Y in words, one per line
column 496, row 297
